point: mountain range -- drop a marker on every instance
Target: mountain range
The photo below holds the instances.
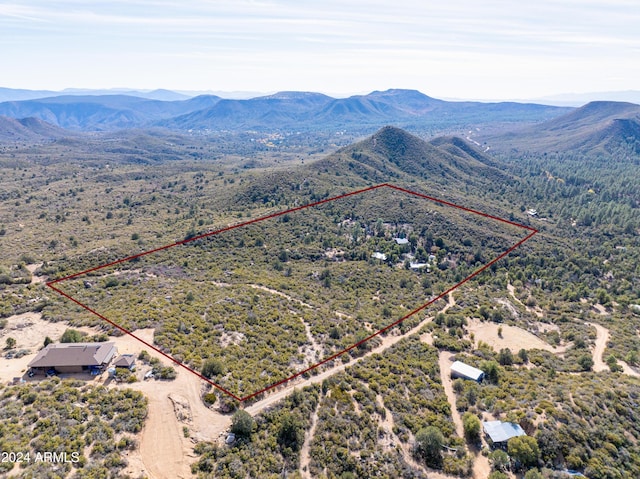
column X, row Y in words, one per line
column 601, row 125
column 16, row 94
column 293, row 111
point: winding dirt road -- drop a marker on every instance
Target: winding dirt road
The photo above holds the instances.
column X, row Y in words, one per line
column 602, row 338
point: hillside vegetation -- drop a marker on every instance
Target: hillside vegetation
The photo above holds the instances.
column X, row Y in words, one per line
column 89, row 428
column 311, row 278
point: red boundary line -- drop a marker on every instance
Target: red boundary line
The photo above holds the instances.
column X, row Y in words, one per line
column 51, row 284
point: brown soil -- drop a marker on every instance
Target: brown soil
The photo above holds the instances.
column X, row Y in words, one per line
column 513, row 338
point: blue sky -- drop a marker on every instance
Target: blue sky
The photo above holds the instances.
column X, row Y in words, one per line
column 449, row 49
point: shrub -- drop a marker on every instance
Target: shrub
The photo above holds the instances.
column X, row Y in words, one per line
column 10, row 343
column 472, row 427
column 524, row 450
column 212, row 367
column 164, row 372
column 242, row 424
column 72, row 336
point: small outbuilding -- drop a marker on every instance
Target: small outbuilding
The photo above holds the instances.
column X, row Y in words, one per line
column 125, row 361
column 464, row 371
column 499, row 432
column 401, row 241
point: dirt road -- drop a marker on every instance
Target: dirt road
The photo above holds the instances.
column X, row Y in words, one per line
column 305, row 457
column 445, row 360
column 602, row 337
column 386, row 343
column 164, row 452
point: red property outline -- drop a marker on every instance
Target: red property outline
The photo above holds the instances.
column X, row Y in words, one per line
column 532, row 231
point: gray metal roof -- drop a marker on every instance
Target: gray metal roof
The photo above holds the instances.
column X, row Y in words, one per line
column 462, row 369
column 502, row 431
column 74, row 354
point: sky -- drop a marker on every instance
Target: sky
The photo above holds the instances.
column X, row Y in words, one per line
column 493, row 49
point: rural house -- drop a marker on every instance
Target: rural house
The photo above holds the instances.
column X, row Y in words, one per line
column 74, row 357
column 499, row 432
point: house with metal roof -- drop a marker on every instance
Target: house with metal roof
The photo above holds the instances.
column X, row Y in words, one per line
column 498, row 432
column 74, row 357
column 464, row 371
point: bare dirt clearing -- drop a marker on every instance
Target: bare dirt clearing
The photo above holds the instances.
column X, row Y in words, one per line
column 29, row 330
column 512, row 291
column 35, row 279
column 513, row 338
column 602, row 338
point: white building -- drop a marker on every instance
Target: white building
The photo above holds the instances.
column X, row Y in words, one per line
column 464, row 371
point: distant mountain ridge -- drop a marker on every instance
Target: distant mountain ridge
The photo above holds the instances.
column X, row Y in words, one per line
column 280, row 111
column 600, row 125
column 102, row 112
column 29, row 129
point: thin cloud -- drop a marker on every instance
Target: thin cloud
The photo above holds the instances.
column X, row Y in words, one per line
column 346, row 45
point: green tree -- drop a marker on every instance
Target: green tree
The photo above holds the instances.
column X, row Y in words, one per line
column 533, row 474
column 10, row 343
column 471, row 425
column 212, row 367
column 632, row 357
column 505, row 357
column 429, row 442
column 498, row 475
column 291, row 433
column 47, row 341
column 491, row 371
column 523, row 355
column 499, row 460
column 586, row 362
column 549, row 444
column 72, row 336
column 524, row 450
column 242, row 424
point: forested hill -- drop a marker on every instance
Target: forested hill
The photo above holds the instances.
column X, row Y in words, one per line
column 29, row 129
column 598, row 127
column 394, row 153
